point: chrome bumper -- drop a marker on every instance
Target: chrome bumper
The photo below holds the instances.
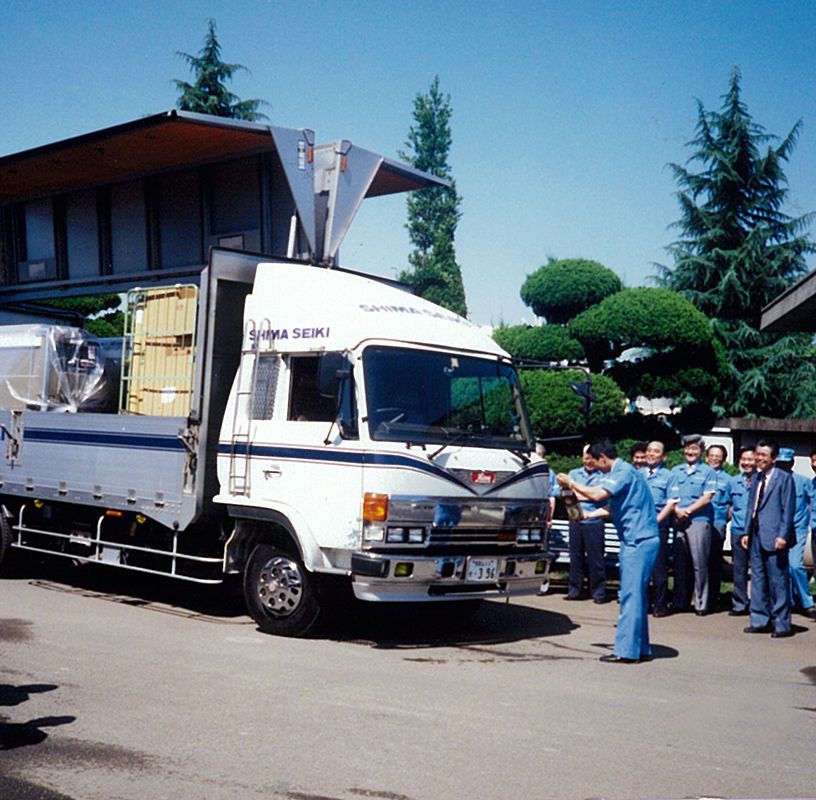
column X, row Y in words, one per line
column 444, row 577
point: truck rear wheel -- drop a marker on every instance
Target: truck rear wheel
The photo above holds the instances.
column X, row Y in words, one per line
column 281, row 595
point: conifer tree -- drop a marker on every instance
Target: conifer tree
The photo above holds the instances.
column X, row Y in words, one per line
column 738, row 250
column 433, row 213
column 209, row 94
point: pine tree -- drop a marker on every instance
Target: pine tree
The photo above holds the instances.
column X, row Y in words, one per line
column 738, row 251
column 433, row 213
column 209, row 94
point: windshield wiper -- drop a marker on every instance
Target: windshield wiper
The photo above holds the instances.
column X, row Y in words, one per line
column 522, row 454
column 460, row 438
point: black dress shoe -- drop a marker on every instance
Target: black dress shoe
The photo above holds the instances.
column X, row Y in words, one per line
column 599, row 602
column 613, row 659
column 662, row 612
column 743, row 613
column 781, row 634
column 751, row 629
column 572, row 597
column 809, row 612
column 646, row 657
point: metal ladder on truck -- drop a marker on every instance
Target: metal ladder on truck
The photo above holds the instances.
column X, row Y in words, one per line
column 242, row 412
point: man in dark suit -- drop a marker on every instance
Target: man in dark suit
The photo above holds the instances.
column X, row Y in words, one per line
column 771, row 506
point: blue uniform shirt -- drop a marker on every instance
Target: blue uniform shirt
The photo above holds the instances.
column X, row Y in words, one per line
column 690, row 485
column 633, row 510
column 722, row 498
column 658, row 478
column 580, row 475
column 740, row 490
column 804, row 498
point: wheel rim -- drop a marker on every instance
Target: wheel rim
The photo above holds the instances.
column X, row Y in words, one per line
column 280, row 586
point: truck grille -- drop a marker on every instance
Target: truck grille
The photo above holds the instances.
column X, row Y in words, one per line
column 467, row 536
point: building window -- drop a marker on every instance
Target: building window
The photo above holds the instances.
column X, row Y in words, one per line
column 128, row 228
column 234, row 204
column 38, row 261
column 179, row 207
column 82, row 233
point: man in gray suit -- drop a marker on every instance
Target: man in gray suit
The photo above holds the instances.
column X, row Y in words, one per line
column 771, row 506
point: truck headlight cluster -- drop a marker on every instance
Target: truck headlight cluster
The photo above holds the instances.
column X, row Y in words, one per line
column 399, row 535
column 529, row 535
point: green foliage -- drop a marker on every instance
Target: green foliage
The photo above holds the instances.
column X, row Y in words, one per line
column 102, row 317
column 563, row 288
column 209, row 94
column 433, row 214
column 738, row 250
column 482, row 404
column 543, row 343
column 562, row 462
column 556, row 410
column 107, row 327
column 678, row 355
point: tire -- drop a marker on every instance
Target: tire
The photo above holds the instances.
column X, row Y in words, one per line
column 280, row 594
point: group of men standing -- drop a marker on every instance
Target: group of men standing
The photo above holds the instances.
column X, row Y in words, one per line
column 769, row 510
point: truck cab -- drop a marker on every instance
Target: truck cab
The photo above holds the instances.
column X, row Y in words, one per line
column 372, row 435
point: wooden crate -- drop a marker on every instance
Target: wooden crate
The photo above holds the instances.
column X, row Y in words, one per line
column 157, row 378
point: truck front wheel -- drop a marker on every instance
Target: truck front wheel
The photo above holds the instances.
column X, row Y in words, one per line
column 281, row 595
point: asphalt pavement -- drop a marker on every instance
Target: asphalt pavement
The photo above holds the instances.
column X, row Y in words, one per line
column 116, row 686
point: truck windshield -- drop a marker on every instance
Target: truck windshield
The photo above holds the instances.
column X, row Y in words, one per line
column 420, row 396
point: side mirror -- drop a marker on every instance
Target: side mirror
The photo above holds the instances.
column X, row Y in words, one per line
column 332, row 368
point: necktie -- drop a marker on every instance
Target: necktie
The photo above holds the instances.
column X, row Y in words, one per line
column 760, row 493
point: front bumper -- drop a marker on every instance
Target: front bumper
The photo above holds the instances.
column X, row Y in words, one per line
column 376, row 576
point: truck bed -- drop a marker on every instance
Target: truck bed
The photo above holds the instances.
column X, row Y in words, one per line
column 108, row 461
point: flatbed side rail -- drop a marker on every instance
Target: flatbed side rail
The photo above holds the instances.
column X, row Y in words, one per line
column 103, row 551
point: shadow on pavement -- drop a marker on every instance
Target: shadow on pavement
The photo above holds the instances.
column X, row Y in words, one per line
column 223, row 601
column 393, row 625
column 22, row 734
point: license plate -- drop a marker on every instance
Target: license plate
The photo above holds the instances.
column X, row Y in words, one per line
column 482, row 570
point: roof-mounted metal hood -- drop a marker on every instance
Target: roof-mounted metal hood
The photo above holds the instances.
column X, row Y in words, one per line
column 341, row 175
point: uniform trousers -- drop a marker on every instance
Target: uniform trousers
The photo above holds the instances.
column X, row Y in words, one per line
column 740, row 556
column 715, row 560
column 660, row 576
column 770, row 588
column 800, row 591
column 637, row 560
column 692, row 547
column 586, row 549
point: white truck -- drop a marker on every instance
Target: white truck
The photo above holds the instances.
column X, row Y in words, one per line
column 335, row 428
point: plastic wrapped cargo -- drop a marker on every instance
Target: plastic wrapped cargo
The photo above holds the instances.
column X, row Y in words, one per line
column 52, row 368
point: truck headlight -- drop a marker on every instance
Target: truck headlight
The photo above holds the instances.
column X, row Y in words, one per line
column 373, row 533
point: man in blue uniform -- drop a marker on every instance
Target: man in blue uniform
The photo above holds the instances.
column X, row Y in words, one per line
column 812, row 530
column 739, row 490
column 693, row 484
column 715, row 458
column 800, row 591
column 586, row 538
column 658, row 477
column 634, row 515
column 772, row 503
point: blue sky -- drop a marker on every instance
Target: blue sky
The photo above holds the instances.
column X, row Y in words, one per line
column 565, row 114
